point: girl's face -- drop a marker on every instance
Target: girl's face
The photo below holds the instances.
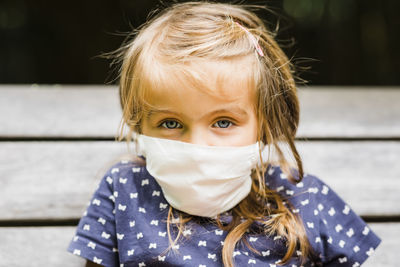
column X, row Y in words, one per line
column 224, row 117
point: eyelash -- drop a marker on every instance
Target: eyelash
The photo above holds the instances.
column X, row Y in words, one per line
column 164, row 123
column 230, row 123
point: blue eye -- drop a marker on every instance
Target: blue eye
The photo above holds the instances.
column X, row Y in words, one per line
column 170, row 124
column 223, row 124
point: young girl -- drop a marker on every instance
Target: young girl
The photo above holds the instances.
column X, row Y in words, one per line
column 210, row 101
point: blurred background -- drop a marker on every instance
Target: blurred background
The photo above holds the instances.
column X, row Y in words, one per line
column 334, row 42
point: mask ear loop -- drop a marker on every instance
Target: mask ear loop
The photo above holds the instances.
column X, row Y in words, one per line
column 253, row 40
column 136, row 142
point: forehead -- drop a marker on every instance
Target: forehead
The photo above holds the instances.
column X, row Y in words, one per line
column 229, row 80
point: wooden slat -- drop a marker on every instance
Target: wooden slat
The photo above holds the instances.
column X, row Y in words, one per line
column 37, row 247
column 93, row 111
column 55, row 180
column 349, row 112
column 67, row 111
column 366, row 174
column 41, row 180
column 46, row 246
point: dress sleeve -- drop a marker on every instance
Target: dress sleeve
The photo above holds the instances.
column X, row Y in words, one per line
column 345, row 239
column 95, row 237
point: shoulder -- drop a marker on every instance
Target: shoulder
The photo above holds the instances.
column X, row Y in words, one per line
column 112, row 211
column 311, row 198
column 124, row 172
column 335, row 232
column 127, row 168
column 277, row 180
column 127, row 180
column 135, row 193
column 96, row 237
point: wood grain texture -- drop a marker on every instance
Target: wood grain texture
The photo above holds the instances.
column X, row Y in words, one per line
column 37, row 247
column 55, row 180
column 46, row 246
column 67, row 111
column 366, row 174
column 42, row 180
column 349, row 112
column 94, row 111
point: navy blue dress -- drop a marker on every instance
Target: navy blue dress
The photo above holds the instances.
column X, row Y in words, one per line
column 125, row 225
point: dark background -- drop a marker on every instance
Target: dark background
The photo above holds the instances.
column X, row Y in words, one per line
column 345, row 42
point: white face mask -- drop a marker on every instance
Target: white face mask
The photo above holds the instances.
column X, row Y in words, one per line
column 199, row 180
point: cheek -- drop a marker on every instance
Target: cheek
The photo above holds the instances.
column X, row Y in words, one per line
column 242, row 136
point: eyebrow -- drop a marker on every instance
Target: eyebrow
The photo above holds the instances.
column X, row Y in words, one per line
column 157, row 111
column 236, row 110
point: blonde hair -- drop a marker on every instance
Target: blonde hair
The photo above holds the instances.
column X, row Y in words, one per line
column 162, row 51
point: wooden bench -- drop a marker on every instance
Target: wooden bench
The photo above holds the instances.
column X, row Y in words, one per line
column 56, row 142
